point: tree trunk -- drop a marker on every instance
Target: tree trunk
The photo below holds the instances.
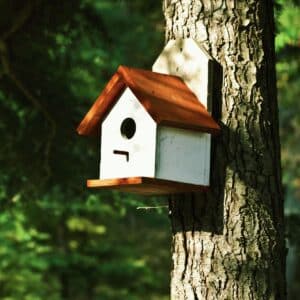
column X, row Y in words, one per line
column 229, row 243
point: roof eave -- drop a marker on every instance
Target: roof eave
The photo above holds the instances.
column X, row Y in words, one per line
column 213, row 130
column 90, row 123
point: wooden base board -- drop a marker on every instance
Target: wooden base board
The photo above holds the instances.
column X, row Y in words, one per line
column 144, row 185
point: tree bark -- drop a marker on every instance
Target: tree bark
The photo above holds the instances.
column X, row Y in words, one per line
column 229, row 243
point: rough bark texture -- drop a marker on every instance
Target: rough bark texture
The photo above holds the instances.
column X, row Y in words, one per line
column 229, row 243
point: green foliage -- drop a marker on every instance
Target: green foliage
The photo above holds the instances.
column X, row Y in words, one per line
column 288, row 70
column 288, row 24
column 23, row 258
column 58, row 240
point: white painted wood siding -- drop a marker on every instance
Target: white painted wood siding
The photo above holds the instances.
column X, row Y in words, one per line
column 141, row 147
column 183, row 155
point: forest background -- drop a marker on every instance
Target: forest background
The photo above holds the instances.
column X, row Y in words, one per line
column 59, row 240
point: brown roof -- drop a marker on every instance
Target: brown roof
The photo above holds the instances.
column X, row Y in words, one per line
column 166, row 98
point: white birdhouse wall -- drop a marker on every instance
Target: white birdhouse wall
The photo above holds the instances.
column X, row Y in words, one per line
column 128, row 140
column 183, row 155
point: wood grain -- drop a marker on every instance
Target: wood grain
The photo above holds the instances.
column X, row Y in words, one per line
column 144, row 186
column 166, row 98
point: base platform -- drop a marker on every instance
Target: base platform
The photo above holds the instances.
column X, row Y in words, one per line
column 144, row 186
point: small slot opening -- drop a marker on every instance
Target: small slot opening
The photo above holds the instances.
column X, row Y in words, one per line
column 120, row 152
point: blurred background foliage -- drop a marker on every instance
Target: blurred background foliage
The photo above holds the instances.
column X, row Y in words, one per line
column 58, row 240
column 288, row 84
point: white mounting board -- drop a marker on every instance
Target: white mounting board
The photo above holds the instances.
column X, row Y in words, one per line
column 189, row 60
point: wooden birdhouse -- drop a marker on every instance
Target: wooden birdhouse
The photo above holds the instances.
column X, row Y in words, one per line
column 155, row 134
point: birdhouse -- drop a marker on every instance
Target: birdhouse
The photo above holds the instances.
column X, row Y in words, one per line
column 155, row 134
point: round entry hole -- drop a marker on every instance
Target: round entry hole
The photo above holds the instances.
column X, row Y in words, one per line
column 128, row 128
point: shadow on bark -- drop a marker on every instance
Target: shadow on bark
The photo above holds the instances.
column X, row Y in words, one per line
column 205, row 211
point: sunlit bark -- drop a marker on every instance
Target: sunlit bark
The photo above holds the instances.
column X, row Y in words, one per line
column 229, row 243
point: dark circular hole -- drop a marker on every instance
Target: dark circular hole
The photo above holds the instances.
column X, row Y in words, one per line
column 128, row 128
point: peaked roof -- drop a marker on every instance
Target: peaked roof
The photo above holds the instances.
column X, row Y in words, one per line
column 165, row 97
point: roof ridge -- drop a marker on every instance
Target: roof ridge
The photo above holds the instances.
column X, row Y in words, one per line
column 124, row 70
column 165, row 97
